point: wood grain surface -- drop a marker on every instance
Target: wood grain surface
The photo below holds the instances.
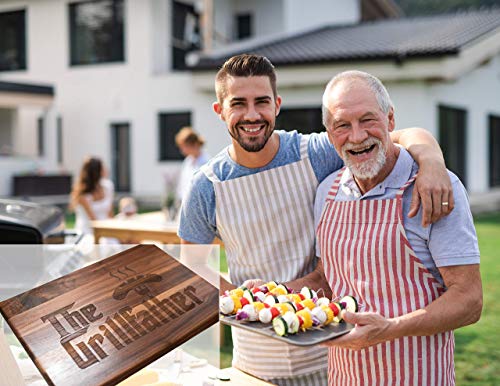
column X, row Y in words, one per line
column 102, row 323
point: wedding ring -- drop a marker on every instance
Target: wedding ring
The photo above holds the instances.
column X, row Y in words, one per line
column 444, row 203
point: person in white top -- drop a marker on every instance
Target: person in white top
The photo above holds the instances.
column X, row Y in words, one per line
column 92, row 195
column 190, row 145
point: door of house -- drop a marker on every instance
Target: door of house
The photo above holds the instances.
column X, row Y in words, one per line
column 452, row 138
column 120, row 156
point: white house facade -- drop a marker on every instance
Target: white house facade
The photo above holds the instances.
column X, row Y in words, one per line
column 116, row 83
column 121, row 87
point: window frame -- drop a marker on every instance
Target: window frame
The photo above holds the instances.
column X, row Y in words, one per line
column 237, row 31
column 40, row 130
column 117, row 41
column 494, row 153
column 175, row 50
column 442, row 136
column 163, row 155
column 59, row 140
column 116, row 162
column 22, row 44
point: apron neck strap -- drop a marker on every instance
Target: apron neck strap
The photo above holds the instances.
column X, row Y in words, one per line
column 402, row 189
column 209, row 172
column 335, row 186
column 304, row 142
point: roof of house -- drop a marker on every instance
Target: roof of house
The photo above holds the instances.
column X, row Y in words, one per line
column 396, row 39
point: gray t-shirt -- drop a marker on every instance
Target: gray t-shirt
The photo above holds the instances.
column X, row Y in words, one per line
column 450, row 241
column 197, row 221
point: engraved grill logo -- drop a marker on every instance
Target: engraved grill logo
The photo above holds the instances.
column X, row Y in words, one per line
column 125, row 326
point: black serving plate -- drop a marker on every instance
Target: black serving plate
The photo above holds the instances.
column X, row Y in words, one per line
column 309, row 337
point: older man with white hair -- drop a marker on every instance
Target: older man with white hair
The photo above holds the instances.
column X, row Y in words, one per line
column 415, row 284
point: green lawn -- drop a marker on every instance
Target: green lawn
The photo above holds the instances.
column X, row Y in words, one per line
column 477, row 352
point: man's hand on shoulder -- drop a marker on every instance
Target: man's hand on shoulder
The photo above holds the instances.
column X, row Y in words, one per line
column 433, row 190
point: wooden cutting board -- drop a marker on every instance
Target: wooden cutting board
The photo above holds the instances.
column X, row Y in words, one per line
column 104, row 322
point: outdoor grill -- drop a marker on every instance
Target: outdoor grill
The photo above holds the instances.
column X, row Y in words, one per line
column 30, row 223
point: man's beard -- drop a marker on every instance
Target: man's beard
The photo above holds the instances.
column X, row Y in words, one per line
column 369, row 168
column 252, row 144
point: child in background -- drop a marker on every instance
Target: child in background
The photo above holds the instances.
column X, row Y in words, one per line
column 128, row 209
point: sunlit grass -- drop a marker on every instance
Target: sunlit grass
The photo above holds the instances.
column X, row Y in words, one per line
column 477, row 353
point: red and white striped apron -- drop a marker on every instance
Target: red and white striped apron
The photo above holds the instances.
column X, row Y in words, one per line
column 366, row 254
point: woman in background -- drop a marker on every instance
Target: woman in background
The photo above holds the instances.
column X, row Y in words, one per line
column 92, row 195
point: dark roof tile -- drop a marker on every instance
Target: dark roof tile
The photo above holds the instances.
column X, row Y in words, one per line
column 394, row 38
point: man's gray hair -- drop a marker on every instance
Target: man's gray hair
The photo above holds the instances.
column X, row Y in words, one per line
column 383, row 98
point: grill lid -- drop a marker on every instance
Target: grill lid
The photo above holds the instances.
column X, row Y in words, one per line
column 21, row 214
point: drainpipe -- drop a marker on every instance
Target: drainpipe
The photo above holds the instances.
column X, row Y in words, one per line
column 207, row 23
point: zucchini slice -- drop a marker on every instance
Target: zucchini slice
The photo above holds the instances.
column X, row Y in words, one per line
column 283, row 288
column 349, row 303
column 280, row 326
column 247, row 294
column 307, row 292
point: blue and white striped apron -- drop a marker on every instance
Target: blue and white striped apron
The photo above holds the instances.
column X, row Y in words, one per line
column 266, row 223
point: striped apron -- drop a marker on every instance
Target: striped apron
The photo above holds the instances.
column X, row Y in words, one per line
column 366, row 254
column 266, row 222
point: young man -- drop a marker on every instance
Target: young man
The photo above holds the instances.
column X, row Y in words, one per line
column 257, row 197
column 416, row 284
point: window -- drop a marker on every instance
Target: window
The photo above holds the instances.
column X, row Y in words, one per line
column 494, row 150
column 59, row 140
column 169, row 125
column 304, row 120
column 13, row 41
column 41, row 136
column 185, row 33
column 243, row 26
column 96, row 32
column 120, row 156
column 452, row 137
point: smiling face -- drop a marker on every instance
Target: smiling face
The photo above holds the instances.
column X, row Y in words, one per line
column 249, row 109
column 359, row 129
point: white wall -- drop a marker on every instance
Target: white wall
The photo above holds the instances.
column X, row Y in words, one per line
column 267, row 15
column 479, row 93
column 300, row 15
column 281, row 16
column 26, row 133
column 413, row 105
column 10, row 166
column 267, row 18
